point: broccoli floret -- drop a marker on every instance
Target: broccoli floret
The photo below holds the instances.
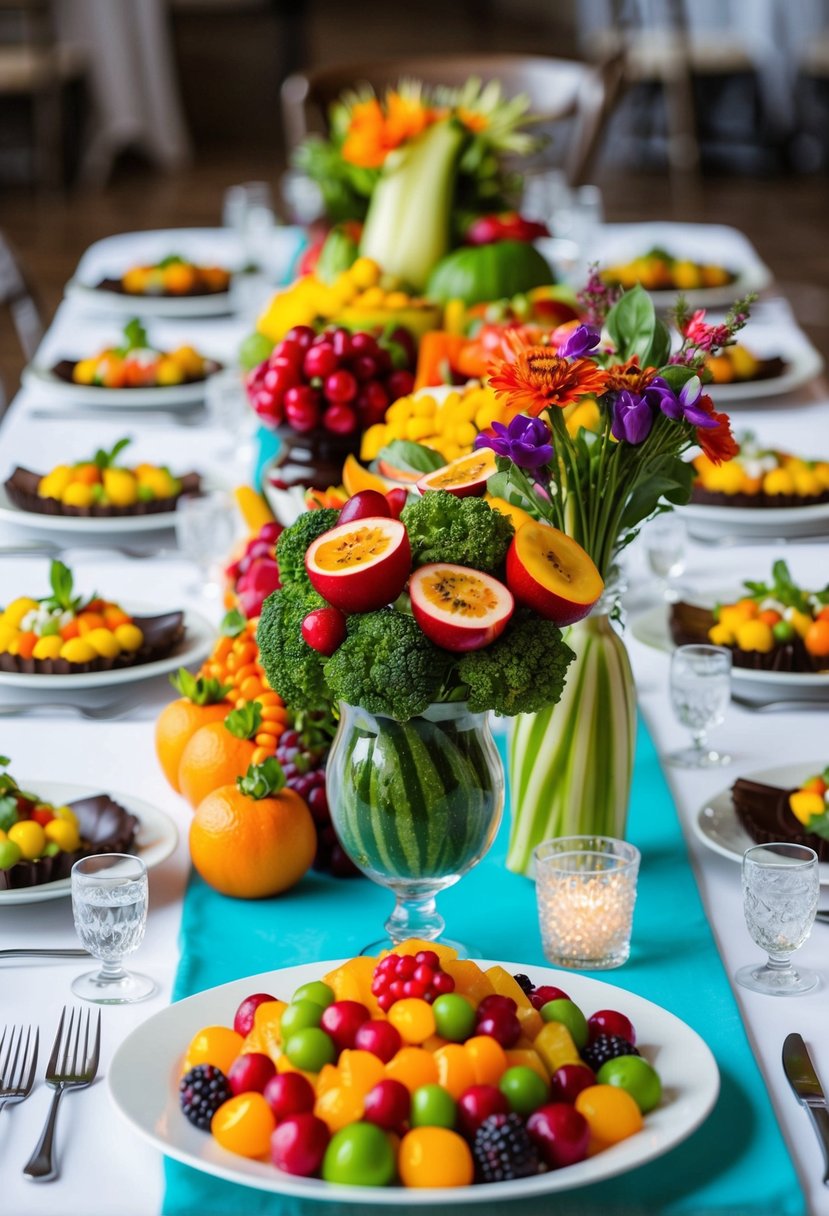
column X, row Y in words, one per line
column 387, row 665
column 293, row 669
column 521, row 673
column 293, row 542
column 465, row 531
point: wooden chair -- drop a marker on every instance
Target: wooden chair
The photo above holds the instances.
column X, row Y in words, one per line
column 558, row 89
column 17, row 295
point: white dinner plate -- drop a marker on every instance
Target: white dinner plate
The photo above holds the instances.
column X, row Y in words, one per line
column 61, row 393
column 171, row 308
column 155, row 840
column 802, row 364
column 719, row 829
column 198, row 640
column 143, row 1083
column 755, row 523
column 651, row 628
column 82, row 525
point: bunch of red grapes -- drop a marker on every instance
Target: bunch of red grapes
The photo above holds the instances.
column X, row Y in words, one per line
column 337, row 380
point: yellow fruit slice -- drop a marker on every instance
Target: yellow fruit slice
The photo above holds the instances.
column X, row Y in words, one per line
column 253, row 507
column 357, row 477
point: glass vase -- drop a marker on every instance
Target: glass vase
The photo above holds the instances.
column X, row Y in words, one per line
column 571, row 765
column 415, row 805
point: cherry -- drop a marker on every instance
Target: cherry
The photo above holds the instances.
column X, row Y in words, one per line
column 397, row 500
column 341, row 342
column 364, row 343
column 388, row 1105
column 324, row 630
column 404, row 337
column 298, row 1144
column 478, row 1103
column 340, row 419
column 610, row 1021
column 289, row 1093
column 340, row 387
column 302, row 408
column 569, row 1080
column 374, row 399
column 250, row 1072
column 342, row 1020
column 492, row 1003
column 270, row 531
column 364, row 367
column 302, row 335
column 560, row 1133
column 243, row 1021
column 292, row 353
column 540, row 996
column 320, row 361
column 400, row 384
column 501, row 1025
column 380, row 1038
column 361, row 505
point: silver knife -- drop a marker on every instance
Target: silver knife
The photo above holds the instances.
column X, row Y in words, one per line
column 26, row 953
column 800, row 1071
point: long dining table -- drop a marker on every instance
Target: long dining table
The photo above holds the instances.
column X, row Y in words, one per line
column 105, row 1167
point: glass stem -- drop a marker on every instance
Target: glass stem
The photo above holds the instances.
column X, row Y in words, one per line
column 699, row 737
column 112, row 970
column 415, row 918
column 779, row 962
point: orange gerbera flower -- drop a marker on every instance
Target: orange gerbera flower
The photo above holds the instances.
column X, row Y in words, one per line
column 629, row 376
column 717, row 442
column 539, row 378
column 365, row 143
column 406, row 117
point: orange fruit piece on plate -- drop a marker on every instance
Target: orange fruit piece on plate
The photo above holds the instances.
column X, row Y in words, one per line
column 414, row 1067
column 456, row 1071
column 489, row 1060
column 244, row 1125
column 434, row 1156
column 339, row 1106
column 216, row 1045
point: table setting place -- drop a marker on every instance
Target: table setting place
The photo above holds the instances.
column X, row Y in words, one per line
column 414, row 691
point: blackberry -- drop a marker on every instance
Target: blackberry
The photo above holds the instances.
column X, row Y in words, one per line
column 201, row 1092
column 503, row 1150
column 524, row 983
column 606, row 1047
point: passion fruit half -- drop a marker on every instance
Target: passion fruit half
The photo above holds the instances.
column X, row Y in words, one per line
column 465, row 476
column 551, row 573
column 459, row 608
column 360, row 565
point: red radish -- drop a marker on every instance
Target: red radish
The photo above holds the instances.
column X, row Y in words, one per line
column 361, row 565
column 364, row 504
column 324, row 630
column 458, row 608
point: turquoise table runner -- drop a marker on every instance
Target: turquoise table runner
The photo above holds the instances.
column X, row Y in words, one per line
column 735, row 1163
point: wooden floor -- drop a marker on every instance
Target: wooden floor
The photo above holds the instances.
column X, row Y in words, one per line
column 784, row 218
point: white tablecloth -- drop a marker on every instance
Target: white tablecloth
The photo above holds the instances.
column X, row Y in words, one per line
column 126, row 1178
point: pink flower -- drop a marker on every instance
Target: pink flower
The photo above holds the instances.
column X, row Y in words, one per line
column 703, row 336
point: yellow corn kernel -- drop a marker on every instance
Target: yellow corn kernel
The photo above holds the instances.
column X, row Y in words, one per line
column 403, row 408
column 373, row 441
column 423, row 407
column 465, row 433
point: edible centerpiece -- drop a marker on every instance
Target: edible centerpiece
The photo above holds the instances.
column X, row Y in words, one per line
column 135, row 363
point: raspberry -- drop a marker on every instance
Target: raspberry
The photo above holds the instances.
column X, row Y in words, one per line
column 202, row 1091
column 503, row 1150
column 398, row 976
column 606, row 1047
column 524, row 983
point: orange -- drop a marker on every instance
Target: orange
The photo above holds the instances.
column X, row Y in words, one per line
column 455, row 1069
column 211, row 758
column 611, row 1113
column 434, row 1156
column 413, row 1019
column 360, row 1070
column 175, row 727
column 414, row 1067
column 489, row 1061
column 245, row 847
column 816, row 640
column 339, row 1106
column 216, row 1045
column 244, row 1125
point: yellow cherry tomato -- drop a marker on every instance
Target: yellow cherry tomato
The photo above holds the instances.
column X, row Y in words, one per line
column 29, row 838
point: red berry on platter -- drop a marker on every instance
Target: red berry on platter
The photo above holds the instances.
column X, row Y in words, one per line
column 320, row 361
column 397, row 500
column 271, row 531
column 502, row 1026
column 478, row 1103
column 243, row 1021
column 400, row 384
column 569, row 1080
column 380, row 1038
column 560, row 1133
column 281, row 375
column 42, row 816
column 340, row 419
column 427, row 958
column 363, row 505
column 298, row 1145
column 374, row 397
column 302, row 408
column 494, row 1002
column 324, row 630
column 342, row 1020
column 610, row 1021
column 404, row 337
column 289, row 1093
column 251, row 1072
column 540, row 996
column 302, row 335
column 341, row 342
column 388, row 1105
column 364, row 367
column 340, row 387
column 364, row 343
column 290, row 353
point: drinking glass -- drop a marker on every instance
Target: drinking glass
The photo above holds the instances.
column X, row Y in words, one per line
column 248, row 210
column 205, row 529
column 228, row 411
column 700, row 692
column 665, row 539
column 781, row 884
column 109, row 904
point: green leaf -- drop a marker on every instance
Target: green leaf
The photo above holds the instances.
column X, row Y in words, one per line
column 61, row 582
column 244, row 723
column 411, row 457
column 676, row 375
column 669, row 478
column 201, row 690
column 233, row 623
column 660, row 347
column 262, row 780
column 172, row 259
column 631, row 324
column 135, row 334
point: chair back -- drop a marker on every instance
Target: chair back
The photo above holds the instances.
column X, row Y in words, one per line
column 17, row 296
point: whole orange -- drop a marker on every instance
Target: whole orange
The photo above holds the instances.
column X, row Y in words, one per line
column 211, row 758
column 176, row 725
column 252, row 848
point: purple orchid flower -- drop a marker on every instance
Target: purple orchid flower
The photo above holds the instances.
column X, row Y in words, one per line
column 632, row 417
column 526, row 442
column 684, row 407
column 580, row 342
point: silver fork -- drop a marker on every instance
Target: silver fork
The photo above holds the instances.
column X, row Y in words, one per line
column 17, row 1075
column 102, row 713
column 77, row 1074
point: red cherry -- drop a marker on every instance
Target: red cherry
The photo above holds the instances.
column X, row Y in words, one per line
column 428, row 958
column 414, row 988
column 388, row 1105
column 270, row 531
column 441, row 983
column 320, row 361
column 478, row 1103
column 251, row 1072
column 364, row 343
column 374, row 396
column 405, row 966
column 540, row 996
column 340, row 387
column 404, row 337
column 400, row 384
column 341, row 342
column 243, row 1021
column 397, row 500
column 324, row 630
column 610, row 1021
column 281, row 375
column 491, row 1004
column 568, row 1081
column 292, row 352
column 502, row 1026
column 362, row 505
column 289, row 1093
column 298, row 1145
column 340, row 419
column 42, row 816
column 302, row 335
column 560, row 1133
column 364, row 367
column 380, row 1038
column 342, row 1020
column 302, row 408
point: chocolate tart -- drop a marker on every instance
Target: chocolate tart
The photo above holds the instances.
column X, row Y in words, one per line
column 21, row 488
column 689, row 625
column 162, row 634
column 65, row 368
column 117, row 286
column 761, row 501
column 764, row 812
column 104, row 825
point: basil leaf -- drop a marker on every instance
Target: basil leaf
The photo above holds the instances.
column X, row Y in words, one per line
column 631, row 324
column 411, row 457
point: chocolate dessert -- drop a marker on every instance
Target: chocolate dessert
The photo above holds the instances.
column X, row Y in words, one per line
column 689, row 625
column 22, row 486
column 162, row 634
column 764, row 812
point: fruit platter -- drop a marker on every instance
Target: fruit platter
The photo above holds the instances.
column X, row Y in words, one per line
column 46, row 826
column 71, row 640
column 131, row 375
column 490, row 1081
column 172, row 275
column 660, row 270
